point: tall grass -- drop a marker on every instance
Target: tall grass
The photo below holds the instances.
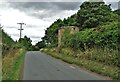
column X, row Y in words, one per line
column 97, row 60
column 12, row 63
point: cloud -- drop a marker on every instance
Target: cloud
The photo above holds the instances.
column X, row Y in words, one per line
column 119, row 4
column 55, row 0
column 47, row 10
column 16, row 35
column 43, row 0
column 45, row 5
column 44, row 9
column 114, row 5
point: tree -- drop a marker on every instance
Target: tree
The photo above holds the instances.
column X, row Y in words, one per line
column 51, row 33
column 40, row 45
column 91, row 14
column 71, row 21
column 26, row 42
column 117, row 11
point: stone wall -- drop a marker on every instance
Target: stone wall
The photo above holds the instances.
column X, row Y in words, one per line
column 60, row 33
column 73, row 30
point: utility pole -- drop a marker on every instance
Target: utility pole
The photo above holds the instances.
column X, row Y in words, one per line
column 21, row 24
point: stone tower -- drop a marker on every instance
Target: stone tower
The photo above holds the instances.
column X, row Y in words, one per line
column 73, row 30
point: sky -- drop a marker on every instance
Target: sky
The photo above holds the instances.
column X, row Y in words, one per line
column 37, row 15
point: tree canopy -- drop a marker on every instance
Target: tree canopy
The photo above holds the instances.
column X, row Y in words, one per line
column 90, row 15
column 25, row 42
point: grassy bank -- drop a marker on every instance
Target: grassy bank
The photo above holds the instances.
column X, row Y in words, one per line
column 100, row 68
column 12, row 64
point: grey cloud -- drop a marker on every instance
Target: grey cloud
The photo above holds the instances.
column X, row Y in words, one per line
column 50, row 8
column 43, row 0
column 17, row 35
column 45, row 5
column 114, row 5
column 46, row 14
column 67, row 5
column 35, row 37
column 10, row 27
column 32, row 26
column 119, row 4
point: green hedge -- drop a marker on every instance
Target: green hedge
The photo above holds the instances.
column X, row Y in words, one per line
column 104, row 42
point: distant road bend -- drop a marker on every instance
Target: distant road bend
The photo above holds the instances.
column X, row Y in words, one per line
column 39, row 66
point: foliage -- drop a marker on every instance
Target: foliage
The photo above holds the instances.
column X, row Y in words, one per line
column 117, row 11
column 100, row 68
column 106, row 35
column 50, row 37
column 7, row 40
column 91, row 14
column 12, row 64
column 70, row 21
column 51, row 34
column 7, row 43
column 40, row 45
column 99, row 36
column 25, row 42
column 34, row 48
column 13, row 55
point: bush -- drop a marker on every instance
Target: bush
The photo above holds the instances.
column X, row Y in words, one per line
column 102, row 42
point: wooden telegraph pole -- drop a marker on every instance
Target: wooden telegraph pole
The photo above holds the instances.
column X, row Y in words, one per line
column 21, row 24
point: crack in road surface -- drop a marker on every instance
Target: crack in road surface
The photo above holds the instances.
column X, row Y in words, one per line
column 39, row 66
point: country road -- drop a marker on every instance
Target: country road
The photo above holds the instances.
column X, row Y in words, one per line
column 39, row 66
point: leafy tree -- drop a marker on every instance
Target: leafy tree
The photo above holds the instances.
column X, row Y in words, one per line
column 91, row 14
column 117, row 11
column 7, row 40
column 25, row 42
column 71, row 21
column 52, row 32
column 40, row 45
column 6, row 43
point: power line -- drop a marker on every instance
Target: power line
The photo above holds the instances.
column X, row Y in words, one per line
column 21, row 24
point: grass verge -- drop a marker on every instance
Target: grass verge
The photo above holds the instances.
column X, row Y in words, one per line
column 110, row 71
column 12, row 65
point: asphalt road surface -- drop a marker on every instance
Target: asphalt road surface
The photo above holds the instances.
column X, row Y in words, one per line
column 39, row 66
